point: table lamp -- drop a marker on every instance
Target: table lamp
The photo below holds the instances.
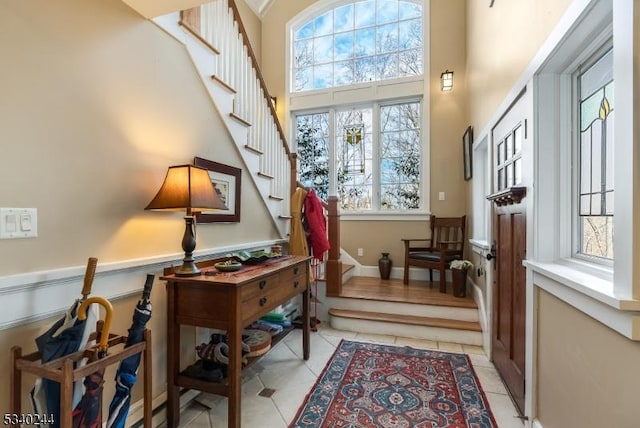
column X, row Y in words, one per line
column 187, row 187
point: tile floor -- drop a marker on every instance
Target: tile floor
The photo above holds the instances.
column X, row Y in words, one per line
column 284, row 371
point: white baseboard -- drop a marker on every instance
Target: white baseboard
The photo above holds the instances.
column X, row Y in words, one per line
column 478, row 297
column 398, row 273
column 536, row 424
column 136, row 410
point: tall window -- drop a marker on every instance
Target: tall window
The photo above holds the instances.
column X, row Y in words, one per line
column 374, row 170
column 358, row 42
column 595, row 157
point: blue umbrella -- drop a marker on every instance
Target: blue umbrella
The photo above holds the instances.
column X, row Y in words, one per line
column 67, row 335
column 126, row 375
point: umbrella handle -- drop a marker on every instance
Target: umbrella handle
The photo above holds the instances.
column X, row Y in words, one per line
column 146, row 292
column 82, row 315
column 88, row 277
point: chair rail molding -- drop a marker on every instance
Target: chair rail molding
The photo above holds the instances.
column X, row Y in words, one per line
column 32, row 296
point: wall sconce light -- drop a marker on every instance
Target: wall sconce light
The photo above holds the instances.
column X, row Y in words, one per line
column 274, row 101
column 446, row 80
column 187, row 187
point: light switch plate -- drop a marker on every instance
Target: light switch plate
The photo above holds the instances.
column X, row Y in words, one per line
column 18, row 223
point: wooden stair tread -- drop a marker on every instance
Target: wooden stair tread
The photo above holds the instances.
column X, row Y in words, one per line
column 406, row 319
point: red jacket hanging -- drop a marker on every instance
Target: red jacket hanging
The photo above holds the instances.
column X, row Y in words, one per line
column 317, row 224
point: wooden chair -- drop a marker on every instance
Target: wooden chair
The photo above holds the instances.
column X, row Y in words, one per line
column 446, row 244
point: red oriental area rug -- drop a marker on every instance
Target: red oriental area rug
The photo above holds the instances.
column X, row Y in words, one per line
column 370, row 385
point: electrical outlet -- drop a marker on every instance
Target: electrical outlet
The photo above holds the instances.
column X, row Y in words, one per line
column 360, row 252
column 441, row 196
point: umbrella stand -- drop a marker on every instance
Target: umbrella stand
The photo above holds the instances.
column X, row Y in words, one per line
column 62, row 370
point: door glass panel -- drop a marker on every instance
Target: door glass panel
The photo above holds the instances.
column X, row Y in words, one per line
column 509, row 180
column 517, row 164
column 517, row 140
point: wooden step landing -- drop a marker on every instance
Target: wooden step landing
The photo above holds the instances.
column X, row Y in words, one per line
column 406, row 319
column 393, row 290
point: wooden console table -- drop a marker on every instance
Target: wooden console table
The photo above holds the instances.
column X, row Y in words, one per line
column 228, row 301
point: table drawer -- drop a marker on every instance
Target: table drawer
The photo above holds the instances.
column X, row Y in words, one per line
column 258, row 305
column 259, row 287
column 296, row 271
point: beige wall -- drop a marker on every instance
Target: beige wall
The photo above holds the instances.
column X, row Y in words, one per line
column 375, row 237
column 96, row 103
column 501, row 41
column 588, row 375
column 253, row 27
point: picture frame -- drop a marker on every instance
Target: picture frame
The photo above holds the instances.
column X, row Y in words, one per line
column 467, row 153
column 227, row 182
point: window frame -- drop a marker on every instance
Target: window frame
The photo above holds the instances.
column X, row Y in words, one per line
column 321, row 8
column 417, row 87
column 590, row 56
column 375, row 107
column 608, row 293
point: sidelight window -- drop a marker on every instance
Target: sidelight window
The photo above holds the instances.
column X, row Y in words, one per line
column 595, row 157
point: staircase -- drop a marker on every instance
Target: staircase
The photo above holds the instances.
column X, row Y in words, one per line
column 217, row 43
column 371, row 305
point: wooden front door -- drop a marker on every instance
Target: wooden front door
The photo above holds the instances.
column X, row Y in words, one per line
column 509, row 250
column 509, row 291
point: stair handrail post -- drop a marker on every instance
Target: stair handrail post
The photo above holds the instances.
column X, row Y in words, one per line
column 334, row 264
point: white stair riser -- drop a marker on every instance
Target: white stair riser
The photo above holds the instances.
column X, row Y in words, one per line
column 438, row 334
column 432, row 311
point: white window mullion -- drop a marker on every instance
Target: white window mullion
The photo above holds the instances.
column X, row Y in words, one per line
column 333, row 169
column 376, row 153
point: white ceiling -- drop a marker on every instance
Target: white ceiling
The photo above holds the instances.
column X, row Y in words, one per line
column 258, row 6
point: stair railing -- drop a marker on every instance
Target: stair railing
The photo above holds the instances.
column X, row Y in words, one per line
column 219, row 26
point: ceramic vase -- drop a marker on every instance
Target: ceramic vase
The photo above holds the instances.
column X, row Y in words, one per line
column 459, row 277
column 384, row 264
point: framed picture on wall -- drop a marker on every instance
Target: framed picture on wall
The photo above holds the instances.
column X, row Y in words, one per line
column 467, row 152
column 226, row 182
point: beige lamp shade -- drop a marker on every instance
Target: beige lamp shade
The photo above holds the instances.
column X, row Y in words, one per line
column 186, row 187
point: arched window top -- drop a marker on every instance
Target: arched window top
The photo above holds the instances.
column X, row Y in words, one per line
column 357, row 42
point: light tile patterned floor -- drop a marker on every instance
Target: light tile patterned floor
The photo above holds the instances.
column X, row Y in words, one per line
column 284, row 371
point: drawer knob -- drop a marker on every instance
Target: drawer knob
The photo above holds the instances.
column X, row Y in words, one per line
column 295, row 284
column 295, row 270
column 263, row 301
column 262, row 284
